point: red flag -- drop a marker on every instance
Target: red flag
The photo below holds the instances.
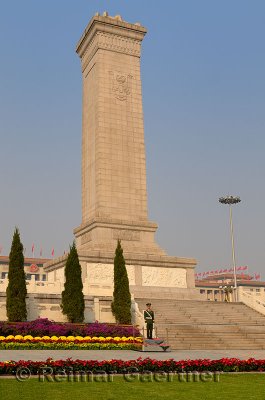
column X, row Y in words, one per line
column 225, row 270
column 244, row 268
column 53, row 252
column 220, row 271
column 32, row 248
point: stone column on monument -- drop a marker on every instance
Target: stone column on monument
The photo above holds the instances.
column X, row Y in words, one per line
column 114, row 199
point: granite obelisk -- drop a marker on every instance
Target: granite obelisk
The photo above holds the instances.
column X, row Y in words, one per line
column 114, row 197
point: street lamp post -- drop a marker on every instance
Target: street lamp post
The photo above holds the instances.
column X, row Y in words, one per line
column 230, row 200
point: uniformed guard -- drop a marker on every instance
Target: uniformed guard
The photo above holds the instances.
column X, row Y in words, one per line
column 149, row 317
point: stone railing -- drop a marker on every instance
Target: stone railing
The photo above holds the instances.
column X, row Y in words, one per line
column 37, row 286
column 251, row 301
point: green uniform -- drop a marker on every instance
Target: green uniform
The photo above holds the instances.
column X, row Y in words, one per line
column 149, row 317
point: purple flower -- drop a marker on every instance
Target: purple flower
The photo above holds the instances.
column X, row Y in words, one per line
column 43, row 326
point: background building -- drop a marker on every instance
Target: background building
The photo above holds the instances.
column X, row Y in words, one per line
column 33, row 268
column 212, row 283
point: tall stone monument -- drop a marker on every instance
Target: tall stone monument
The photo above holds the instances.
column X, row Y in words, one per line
column 114, row 198
column 114, row 201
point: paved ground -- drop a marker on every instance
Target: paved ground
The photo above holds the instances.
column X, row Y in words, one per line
column 41, row 355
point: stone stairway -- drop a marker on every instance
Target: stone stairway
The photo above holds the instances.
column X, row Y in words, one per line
column 189, row 324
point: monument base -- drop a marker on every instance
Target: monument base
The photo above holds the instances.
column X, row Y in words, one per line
column 150, row 276
column 101, row 235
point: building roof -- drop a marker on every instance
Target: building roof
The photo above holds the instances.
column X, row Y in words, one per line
column 27, row 260
column 242, row 283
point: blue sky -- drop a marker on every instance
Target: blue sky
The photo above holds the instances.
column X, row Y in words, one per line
column 203, row 66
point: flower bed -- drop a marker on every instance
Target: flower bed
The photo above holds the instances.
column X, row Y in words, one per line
column 29, row 342
column 43, row 326
column 140, row 365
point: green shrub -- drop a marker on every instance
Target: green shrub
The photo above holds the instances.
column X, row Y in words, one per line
column 121, row 304
column 16, row 291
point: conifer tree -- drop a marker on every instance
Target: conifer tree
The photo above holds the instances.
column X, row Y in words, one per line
column 73, row 304
column 121, row 305
column 16, row 291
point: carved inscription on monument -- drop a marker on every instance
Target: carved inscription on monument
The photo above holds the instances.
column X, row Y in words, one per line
column 86, row 238
column 124, row 234
column 121, row 84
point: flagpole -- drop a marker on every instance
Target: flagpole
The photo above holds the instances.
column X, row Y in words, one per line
column 233, row 249
column 230, row 200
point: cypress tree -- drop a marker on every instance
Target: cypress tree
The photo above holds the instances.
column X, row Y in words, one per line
column 16, row 291
column 121, row 305
column 73, row 304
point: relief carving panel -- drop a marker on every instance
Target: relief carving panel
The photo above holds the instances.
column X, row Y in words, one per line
column 103, row 274
column 164, row 277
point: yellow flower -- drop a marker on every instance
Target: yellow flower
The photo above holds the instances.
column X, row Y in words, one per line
column 45, row 337
column 54, row 338
column 62, row 337
column 117, row 338
column 109, row 338
column 70, row 338
column 2, row 338
column 102, row 338
column 79, row 338
column 18, row 337
column 94, row 338
column 28, row 337
column 87, row 337
column 10, row 337
column 37, row 338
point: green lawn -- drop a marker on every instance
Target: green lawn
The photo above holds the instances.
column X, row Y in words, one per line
column 236, row 386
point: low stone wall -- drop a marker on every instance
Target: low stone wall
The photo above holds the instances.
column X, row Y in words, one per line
column 252, row 300
column 48, row 306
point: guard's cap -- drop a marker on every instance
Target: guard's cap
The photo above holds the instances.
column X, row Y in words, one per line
column 148, row 304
